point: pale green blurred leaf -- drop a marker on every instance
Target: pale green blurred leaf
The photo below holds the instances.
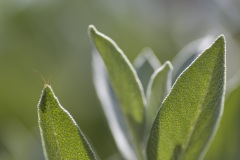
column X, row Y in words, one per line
column 226, row 144
column 111, row 108
column 18, row 143
column 145, row 64
column 187, row 55
column 125, row 82
column 61, row 137
column 189, row 116
column 159, row 86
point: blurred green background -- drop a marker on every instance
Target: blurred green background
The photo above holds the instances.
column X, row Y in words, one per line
column 51, row 37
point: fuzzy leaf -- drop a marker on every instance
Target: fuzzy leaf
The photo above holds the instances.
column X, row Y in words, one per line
column 111, row 108
column 189, row 116
column 226, row 142
column 124, row 79
column 61, row 137
column 159, row 86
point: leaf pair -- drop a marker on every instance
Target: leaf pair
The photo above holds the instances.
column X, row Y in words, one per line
column 123, row 110
column 189, row 116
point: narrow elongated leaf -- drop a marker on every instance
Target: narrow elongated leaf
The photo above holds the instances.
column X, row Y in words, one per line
column 61, row 137
column 189, row 116
column 125, row 82
column 226, row 144
column 159, row 86
column 145, row 64
column 122, row 74
column 112, row 110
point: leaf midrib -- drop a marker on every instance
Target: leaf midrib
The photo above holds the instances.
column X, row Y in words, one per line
column 200, row 109
column 55, row 134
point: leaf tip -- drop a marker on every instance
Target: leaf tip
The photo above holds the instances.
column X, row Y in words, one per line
column 169, row 65
column 222, row 37
column 92, row 30
column 46, row 94
column 221, row 40
column 47, row 88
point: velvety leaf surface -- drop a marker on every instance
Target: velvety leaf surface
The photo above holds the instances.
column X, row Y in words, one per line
column 112, row 110
column 159, row 86
column 122, row 75
column 189, row 116
column 125, row 82
column 226, row 144
column 61, row 137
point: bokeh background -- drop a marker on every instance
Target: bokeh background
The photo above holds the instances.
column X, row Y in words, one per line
column 51, row 37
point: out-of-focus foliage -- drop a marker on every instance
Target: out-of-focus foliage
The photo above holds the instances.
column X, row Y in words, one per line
column 158, row 88
column 50, row 36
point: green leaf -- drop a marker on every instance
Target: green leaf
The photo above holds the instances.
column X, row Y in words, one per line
column 122, row 75
column 189, row 116
column 61, row 137
column 226, row 142
column 159, row 86
column 126, row 84
column 112, row 110
column 145, row 64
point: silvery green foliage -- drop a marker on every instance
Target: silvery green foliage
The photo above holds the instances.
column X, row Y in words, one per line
column 158, row 86
column 187, row 120
column 150, row 118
